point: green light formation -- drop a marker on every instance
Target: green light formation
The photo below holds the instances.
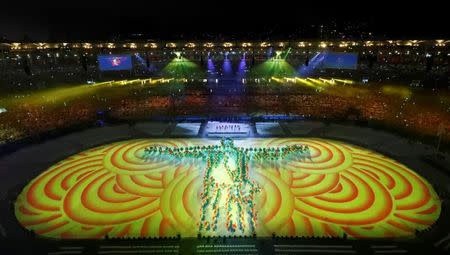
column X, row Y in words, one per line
column 278, row 54
column 274, row 67
column 227, row 199
column 287, row 53
column 181, row 67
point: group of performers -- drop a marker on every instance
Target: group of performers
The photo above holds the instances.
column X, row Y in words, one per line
column 227, row 204
column 302, row 151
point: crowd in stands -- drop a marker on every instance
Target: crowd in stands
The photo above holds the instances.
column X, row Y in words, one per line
column 357, row 102
column 417, row 116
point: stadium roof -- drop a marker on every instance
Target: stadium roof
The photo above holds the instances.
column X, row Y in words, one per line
column 330, row 44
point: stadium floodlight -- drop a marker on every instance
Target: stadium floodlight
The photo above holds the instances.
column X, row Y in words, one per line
column 278, row 54
column 177, row 54
column 276, row 67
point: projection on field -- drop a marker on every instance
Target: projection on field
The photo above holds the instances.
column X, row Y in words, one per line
column 286, row 186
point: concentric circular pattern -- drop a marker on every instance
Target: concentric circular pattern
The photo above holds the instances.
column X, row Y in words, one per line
column 112, row 191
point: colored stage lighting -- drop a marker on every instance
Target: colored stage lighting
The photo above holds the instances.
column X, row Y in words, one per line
column 182, row 68
column 278, row 54
column 274, row 68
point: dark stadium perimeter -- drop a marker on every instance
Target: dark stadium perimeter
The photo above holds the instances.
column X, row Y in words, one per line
column 21, row 164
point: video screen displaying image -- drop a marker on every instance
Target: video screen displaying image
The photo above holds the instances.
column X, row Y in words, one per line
column 114, row 62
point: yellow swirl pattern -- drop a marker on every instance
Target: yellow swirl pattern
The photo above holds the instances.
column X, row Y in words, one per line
column 111, row 190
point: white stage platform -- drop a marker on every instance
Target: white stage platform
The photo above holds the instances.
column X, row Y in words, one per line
column 227, row 129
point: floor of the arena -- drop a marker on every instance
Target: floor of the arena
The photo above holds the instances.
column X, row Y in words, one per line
column 361, row 191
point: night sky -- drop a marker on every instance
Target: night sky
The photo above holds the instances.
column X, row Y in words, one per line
column 106, row 20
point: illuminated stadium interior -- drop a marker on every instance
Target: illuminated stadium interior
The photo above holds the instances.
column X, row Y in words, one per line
column 223, row 131
column 312, row 152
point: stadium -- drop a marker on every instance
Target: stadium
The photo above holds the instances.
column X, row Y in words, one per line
column 225, row 146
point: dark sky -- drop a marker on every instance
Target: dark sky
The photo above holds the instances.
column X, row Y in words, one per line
column 86, row 20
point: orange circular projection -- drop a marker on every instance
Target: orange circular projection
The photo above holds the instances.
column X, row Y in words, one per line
column 111, row 191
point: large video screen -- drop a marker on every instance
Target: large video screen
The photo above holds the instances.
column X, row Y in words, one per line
column 114, row 62
column 339, row 60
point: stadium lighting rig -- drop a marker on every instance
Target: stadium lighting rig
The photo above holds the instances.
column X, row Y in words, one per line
column 278, row 54
column 177, row 54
